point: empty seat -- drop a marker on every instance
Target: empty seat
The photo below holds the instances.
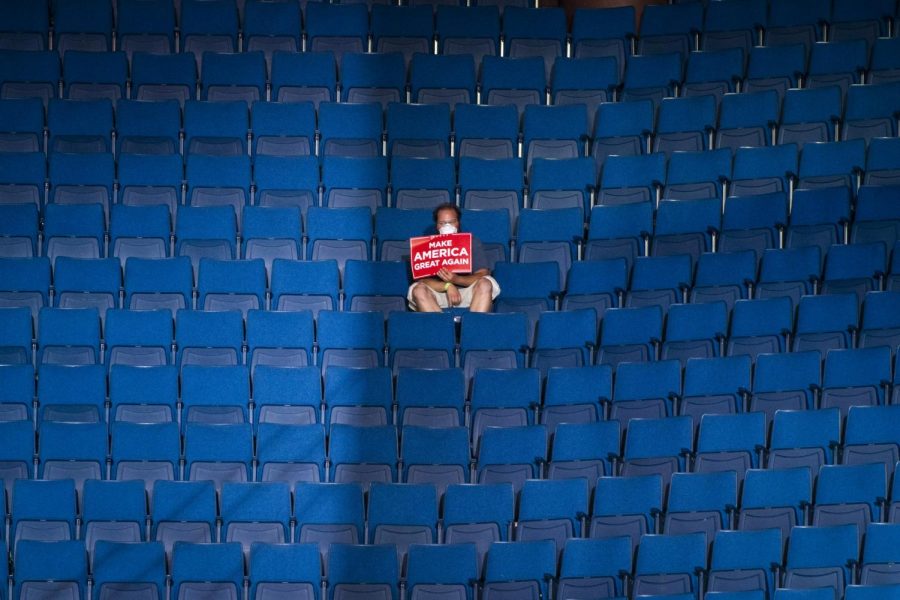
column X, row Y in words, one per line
column 825, row 322
column 657, row 446
column 207, row 569
column 849, row 494
column 283, row 128
column 363, row 570
column 486, row 131
column 307, row 285
column 668, row 563
column 69, row 336
column 231, row 285
column 363, row 455
column 227, row 77
column 303, row 76
column 804, row 438
column 255, row 513
column 855, row 377
column 218, row 452
column 114, row 511
column 740, row 561
column 517, row 570
column 95, row 75
column 287, row 396
column 337, row 29
column 377, row 77
column 748, row 119
column 279, row 338
column 140, row 338
column 626, row 506
column 516, row 81
column 511, row 454
column 818, row 557
column 57, row 567
column 646, row 390
column 402, row 515
column 158, row 283
column 42, row 511
column 209, row 338
column 715, row 386
column 700, row 502
column 442, row 78
column 278, row 568
column 215, row 394
column 329, row 514
column 183, row 511
column 164, row 77
column 137, row 568
column 785, row 381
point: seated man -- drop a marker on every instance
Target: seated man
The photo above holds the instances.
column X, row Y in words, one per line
column 475, row 291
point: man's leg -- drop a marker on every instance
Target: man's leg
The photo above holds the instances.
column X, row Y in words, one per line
column 423, row 298
column 481, row 296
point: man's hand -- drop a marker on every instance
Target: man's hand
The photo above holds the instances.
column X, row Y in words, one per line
column 453, row 296
column 445, row 275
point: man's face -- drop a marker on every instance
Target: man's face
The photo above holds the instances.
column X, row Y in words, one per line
column 447, row 221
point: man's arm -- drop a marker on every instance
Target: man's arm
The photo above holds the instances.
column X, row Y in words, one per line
column 459, row 279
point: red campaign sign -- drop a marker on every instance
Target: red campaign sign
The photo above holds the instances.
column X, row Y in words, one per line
column 430, row 253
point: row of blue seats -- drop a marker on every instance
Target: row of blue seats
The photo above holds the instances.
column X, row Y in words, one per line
column 688, row 124
column 273, row 511
column 225, row 24
column 798, row 381
column 289, row 447
column 527, row 330
column 814, row 220
column 795, row 470
column 427, row 78
column 529, row 570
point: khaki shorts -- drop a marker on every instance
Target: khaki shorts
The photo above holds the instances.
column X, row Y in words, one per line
column 464, row 292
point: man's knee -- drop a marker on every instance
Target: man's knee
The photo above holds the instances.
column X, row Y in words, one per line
column 421, row 293
column 483, row 287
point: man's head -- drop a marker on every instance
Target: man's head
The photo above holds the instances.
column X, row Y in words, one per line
column 446, row 218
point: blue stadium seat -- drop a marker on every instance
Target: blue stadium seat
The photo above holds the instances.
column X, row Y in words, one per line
column 789, row 272
column 68, row 336
column 145, row 27
column 486, row 131
column 80, row 27
column 341, row 234
column 825, row 322
column 355, row 570
column 208, row 338
column 26, row 27
column 113, row 511
column 206, row 232
column 30, row 74
column 730, row 443
column 350, row 339
column 221, row 453
column 594, row 565
column 275, row 569
column 286, row 181
column 16, row 341
column 42, row 511
column 622, row 128
column 443, row 568
column 164, row 77
column 207, row 569
column 609, row 32
column 714, row 72
column 841, row 63
column 231, row 285
column 511, row 455
column 535, row 33
column 519, row 570
column 57, row 567
column 216, row 128
column 140, row 338
column 337, row 29
column 418, row 130
column 215, row 394
column 208, row 27
column 668, row 564
column 143, row 395
column 73, row 451
column 590, row 81
column 760, row 326
column 253, row 513
column 304, row 76
column 741, row 562
column 183, row 511
column 775, row 67
column 701, row 503
column 630, row 334
column 555, row 131
column 748, row 119
column 626, row 506
column 516, row 81
column 797, row 22
column 422, row 183
column 139, row 231
column 670, row 29
column 646, row 390
column 287, row 396
column 272, row 27
column 26, row 282
column 95, row 75
column 464, row 31
column 804, row 438
column 492, row 340
column 305, row 285
column 753, row 223
column 147, row 179
column 270, row 233
column 358, row 397
column 583, row 450
column 363, row 455
column 652, row 77
column 402, row 514
column 819, row 557
column 419, row 340
column 137, row 568
column 715, row 386
column 283, row 128
column 850, row 494
column 329, row 514
column 378, row 78
column 628, row 179
column 694, row 331
column 659, row 281
column 619, row 231
column 442, row 78
column 685, row 124
column 657, row 446
column 146, row 452
column 503, row 398
column 23, row 177
column 408, row 30
column 279, row 338
column 152, row 284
